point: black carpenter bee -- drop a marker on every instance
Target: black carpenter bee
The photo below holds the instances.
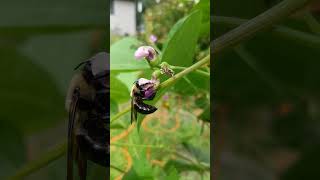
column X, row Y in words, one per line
column 143, row 89
column 88, row 105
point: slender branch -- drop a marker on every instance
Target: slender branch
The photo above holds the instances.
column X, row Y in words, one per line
column 116, row 168
column 207, row 74
column 260, row 22
column 251, row 61
column 39, row 163
column 194, row 162
column 121, row 113
column 190, row 69
column 282, row 31
column 139, row 145
column 312, row 22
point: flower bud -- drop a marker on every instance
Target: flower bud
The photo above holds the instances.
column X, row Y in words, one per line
column 146, row 52
column 153, row 38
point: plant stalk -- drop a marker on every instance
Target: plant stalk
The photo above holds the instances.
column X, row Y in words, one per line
column 39, row 163
column 203, row 73
column 249, row 29
column 293, row 35
column 121, row 113
column 186, row 71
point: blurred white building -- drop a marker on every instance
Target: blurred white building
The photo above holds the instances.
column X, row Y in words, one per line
column 123, row 17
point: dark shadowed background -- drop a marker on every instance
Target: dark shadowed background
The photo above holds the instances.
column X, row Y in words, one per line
column 41, row 42
column 266, row 93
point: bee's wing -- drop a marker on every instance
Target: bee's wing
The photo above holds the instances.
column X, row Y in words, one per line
column 133, row 111
column 100, row 64
column 72, row 116
column 82, row 165
column 132, row 108
column 135, row 115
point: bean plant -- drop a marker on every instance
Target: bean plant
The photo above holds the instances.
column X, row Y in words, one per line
column 162, row 145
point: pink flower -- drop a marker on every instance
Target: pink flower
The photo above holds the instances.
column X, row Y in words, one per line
column 153, row 38
column 146, row 52
column 165, row 97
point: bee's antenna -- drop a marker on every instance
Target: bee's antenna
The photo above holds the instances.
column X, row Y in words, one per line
column 80, row 64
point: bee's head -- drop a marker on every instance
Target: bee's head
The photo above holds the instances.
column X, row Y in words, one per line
column 135, row 91
column 93, row 81
column 143, row 88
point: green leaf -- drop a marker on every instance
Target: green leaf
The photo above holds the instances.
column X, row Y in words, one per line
column 13, row 153
column 205, row 115
column 141, row 164
column 131, row 175
column 31, row 91
column 173, row 174
column 122, row 55
column 197, row 153
column 203, row 102
column 181, row 166
column 41, row 13
column 114, row 108
column 128, row 78
column 199, row 82
column 204, row 6
column 42, row 51
column 118, row 91
column 180, row 48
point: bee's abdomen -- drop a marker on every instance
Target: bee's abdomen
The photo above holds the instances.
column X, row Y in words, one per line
column 143, row 108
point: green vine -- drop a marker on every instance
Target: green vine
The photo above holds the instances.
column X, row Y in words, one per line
column 281, row 31
column 250, row 28
column 39, row 163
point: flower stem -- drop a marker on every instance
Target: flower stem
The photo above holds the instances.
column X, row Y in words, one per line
column 207, row 74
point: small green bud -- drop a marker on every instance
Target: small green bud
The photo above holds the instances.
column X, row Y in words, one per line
column 166, row 69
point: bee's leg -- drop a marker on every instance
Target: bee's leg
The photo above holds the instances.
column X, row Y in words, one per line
column 82, row 165
column 134, row 114
column 71, row 145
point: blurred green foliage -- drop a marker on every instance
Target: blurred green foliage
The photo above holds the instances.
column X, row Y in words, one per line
column 160, row 18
